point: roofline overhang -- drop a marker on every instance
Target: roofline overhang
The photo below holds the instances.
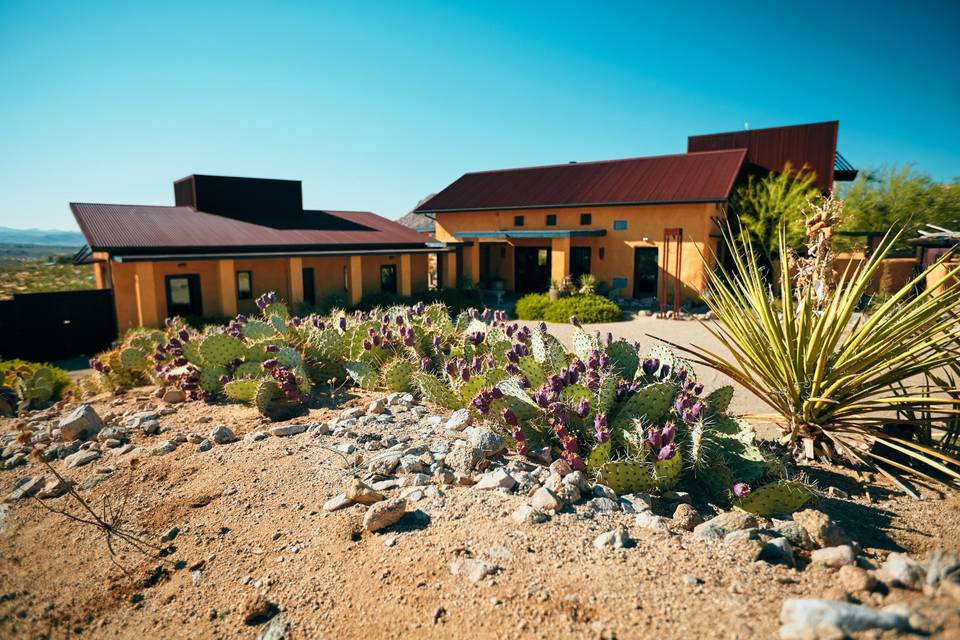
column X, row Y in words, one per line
column 519, row 235
column 438, row 247
column 575, row 206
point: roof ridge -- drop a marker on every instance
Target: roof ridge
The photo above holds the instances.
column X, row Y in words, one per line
column 786, row 126
column 596, row 162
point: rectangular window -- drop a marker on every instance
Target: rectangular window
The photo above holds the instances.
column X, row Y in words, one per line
column 388, row 278
column 586, row 218
column 518, row 221
column 551, row 219
column 346, row 279
column 244, row 285
column 543, row 255
column 619, row 225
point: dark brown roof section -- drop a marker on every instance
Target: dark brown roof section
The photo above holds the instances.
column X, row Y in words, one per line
column 692, row 177
column 811, row 145
column 141, row 230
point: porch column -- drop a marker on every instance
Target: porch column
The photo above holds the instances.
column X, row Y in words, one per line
column 355, row 293
column 148, row 307
column 475, row 263
column 228, row 287
column 295, row 283
column 406, row 274
column 449, row 270
column 559, row 259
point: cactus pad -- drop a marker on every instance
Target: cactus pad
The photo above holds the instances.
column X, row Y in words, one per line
column 218, row 349
column 397, row 375
column 517, row 400
column 256, row 330
column 363, row 374
column 652, row 403
column 133, row 359
column 624, row 358
column 532, row 371
column 719, row 399
column 627, row 476
column 776, row 499
column 289, row 357
column 435, row 391
column 241, row 390
column 584, row 343
column 210, row 379
column 248, row 369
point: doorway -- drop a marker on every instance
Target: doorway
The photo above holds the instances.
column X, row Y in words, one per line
column 531, row 269
column 646, row 271
column 388, row 278
column 183, row 295
column 309, row 287
column 579, row 263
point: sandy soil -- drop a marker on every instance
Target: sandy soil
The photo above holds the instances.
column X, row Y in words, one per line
column 250, row 521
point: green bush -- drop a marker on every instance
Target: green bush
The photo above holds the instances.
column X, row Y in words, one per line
column 21, row 376
column 587, row 308
column 457, row 300
column 532, row 306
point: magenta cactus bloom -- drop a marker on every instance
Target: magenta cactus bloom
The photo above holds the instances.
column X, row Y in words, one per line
column 741, row 489
column 600, row 430
column 654, row 438
column 583, row 408
column 510, row 418
column 668, row 433
column 666, row 452
column 575, row 321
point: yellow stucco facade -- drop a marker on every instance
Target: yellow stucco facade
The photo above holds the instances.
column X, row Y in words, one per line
column 611, row 256
column 141, row 288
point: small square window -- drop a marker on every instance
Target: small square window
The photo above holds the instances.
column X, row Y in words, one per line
column 586, row 218
column 244, row 285
column 619, row 225
column 551, row 219
column 518, row 221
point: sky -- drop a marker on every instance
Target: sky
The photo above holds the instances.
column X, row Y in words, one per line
column 375, row 105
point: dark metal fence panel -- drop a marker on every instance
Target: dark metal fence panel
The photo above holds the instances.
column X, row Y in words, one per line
column 58, row 325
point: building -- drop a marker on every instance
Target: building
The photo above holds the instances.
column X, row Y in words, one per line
column 640, row 225
column 227, row 240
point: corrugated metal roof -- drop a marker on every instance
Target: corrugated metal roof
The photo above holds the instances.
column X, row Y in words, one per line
column 150, row 228
column 691, row 177
column 813, row 145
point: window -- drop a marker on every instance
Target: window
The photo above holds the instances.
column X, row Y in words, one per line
column 551, row 219
column 518, row 221
column 543, row 255
column 183, row 295
column 346, row 279
column 619, row 225
column 244, row 285
column 579, row 262
column 586, row 218
column 388, row 278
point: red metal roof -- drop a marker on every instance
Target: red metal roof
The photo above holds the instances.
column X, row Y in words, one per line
column 813, row 145
column 691, row 177
column 145, row 229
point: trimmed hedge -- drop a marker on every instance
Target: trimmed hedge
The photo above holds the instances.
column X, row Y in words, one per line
column 587, row 308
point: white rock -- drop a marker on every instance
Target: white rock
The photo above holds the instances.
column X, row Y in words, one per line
column 222, row 434
column 636, row 502
column 498, row 479
column 616, row 539
column 81, row 458
column 352, row 412
column 25, row 488
column 288, row 430
column 901, row 570
column 803, row 618
column 338, row 501
column 472, row 569
column 255, row 436
column 527, row 514
column 82, row 422
column 460, row 420
column 486, row 440
column 546, row 500
column 376, row 407
column 834, row 557
column 383, row 514
column 163, row 448
column 647, row 520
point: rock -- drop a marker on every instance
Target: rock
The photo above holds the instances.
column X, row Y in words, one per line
column 636, row 502
column 546, row 500
column 721, row 525
column 809, row 618
column 742, row 534
column 25, row 488
column 287, row 430
column 15, row 461
column 170, row 534
column 560, row 468
column 337, row 502
column 459, row 420
column 255, row 436
column 352, row 412
column 602, row 505
column 204, row 445
column 383, row 514
column 793, row 532
column 174, row 396
column 376, row 407
column 821, row 529
column 676, row 496
column 943, row 573
column 528, row 514
column 855, row 579
column 499, row 479
column 411, row 464
column 360, row 493
column 569, row 493
column 690, row 579
column 900, row 570
column 472, row 569
column 222, row 434
column 277, row 629
column 686, row 517
column 150, row 427
column 464, row 457
column 834, row 557
column 112, row 433
column 81, row 458
column 257, row 609
column 54, row 488
column 744, row 550
column 79, row 424
column 647, row 520
column 488, row 441
column 163, row 448
column 615, row 539
column 603, row 491
column 778, row 551
column 384, row 464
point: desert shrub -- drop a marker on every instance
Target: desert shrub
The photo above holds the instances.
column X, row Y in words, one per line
column 456, row 300
column 532, row 306
column 34, row 383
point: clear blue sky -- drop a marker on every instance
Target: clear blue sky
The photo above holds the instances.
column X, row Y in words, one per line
column 375, row 105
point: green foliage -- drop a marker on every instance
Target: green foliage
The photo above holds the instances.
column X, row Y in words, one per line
column 880, row 199
column 456, row 300
column 777, row 200
column 588, row 308
column 35, row 384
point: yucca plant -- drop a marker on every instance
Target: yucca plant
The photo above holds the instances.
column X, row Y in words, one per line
column 837, row 378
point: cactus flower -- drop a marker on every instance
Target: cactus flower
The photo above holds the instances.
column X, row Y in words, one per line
column 650, row 365
column 583, row 408
column 666, row 452
column 654, row 438
column 510, row 418
column 668, row 433
column 575, row 321
column 741, row 489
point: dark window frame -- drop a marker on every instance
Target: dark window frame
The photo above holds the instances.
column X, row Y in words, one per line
column 249, row 294
column 551, row 220
column 586, row 219
column 518, row 221
column 620, row 225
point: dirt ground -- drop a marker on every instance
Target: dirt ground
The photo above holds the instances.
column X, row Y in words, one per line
column 250, row 520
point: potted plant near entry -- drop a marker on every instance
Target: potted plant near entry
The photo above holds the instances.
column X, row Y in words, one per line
column 554, row 291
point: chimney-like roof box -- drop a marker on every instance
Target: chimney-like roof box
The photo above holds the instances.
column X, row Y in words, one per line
column 249, row 199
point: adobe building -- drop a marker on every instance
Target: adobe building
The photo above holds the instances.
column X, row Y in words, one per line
column 227, row 240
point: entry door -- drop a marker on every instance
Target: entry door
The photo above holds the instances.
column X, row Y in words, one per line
column 309, row 286
column 388, row 278
column 579, row 263
column 531, row 269
column 646, row 270
column 183, row 295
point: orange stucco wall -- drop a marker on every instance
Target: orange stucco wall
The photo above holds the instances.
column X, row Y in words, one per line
column 892, row 275
column 645, row 227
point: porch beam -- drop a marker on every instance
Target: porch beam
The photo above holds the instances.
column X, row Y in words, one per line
column 559, row 259
column 355, row 278
column 228, row 295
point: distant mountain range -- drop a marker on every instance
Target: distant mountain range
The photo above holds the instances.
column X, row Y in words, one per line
column 45, row 237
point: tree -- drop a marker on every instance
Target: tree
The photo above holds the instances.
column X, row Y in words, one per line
column 762, row 205
column 880, row 199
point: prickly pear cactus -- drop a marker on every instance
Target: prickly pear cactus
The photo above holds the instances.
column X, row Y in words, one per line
column 652, row 403
column 719, row 399
column 241, row 390
column 623, row 356
column 584, row 343
column 218, row 349
column 435, row 391
column 628, row 476
column 532, row 371
column 134, row 359
column 256, row 330
column 776, row 499
column 363, row 374
column 517, row 400
column 271, row 403
column 398, row 375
